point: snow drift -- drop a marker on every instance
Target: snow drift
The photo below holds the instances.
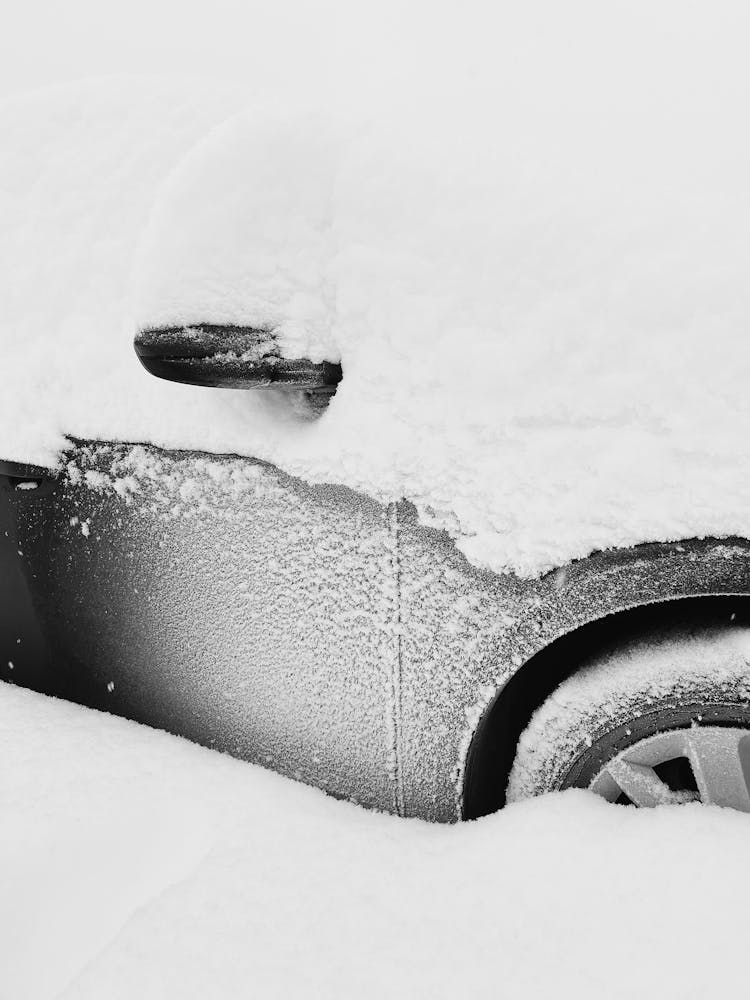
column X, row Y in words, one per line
column 150, row 867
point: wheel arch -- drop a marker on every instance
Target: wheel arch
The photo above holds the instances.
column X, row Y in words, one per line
column 606, row 598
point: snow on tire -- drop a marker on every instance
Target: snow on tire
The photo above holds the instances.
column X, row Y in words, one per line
column 688, row 685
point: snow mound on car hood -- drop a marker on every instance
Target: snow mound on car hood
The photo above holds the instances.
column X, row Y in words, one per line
column 538, row 294
column 534, row 275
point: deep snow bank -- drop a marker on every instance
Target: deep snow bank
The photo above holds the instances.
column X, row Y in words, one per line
column 532, row 265
column 136, row 864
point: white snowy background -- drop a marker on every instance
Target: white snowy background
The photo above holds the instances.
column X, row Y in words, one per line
column 610, row 295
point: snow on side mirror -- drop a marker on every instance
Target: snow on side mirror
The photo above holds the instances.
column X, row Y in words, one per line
column 231, row 357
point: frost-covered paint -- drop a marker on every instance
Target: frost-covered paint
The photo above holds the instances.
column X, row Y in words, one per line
column 306, row 628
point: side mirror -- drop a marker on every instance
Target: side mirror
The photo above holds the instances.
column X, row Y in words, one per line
column 231, row 357
column 19, row 478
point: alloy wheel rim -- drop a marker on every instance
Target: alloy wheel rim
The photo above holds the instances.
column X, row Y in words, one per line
column 708, row 764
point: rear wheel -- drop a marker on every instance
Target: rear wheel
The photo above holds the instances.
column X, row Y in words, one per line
column 664, row 719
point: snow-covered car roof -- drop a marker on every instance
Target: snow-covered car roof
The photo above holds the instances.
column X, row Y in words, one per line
column 539, row 299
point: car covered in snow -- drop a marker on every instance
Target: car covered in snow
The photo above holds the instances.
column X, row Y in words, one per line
column 339, row 641
column 482, row 533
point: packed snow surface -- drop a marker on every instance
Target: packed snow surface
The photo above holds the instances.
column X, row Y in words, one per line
column 139, row 865
column 531, row 260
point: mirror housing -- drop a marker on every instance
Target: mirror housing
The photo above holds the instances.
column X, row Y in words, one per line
column 230, row 357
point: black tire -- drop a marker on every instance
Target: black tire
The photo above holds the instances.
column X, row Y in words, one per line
column 671, row 680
